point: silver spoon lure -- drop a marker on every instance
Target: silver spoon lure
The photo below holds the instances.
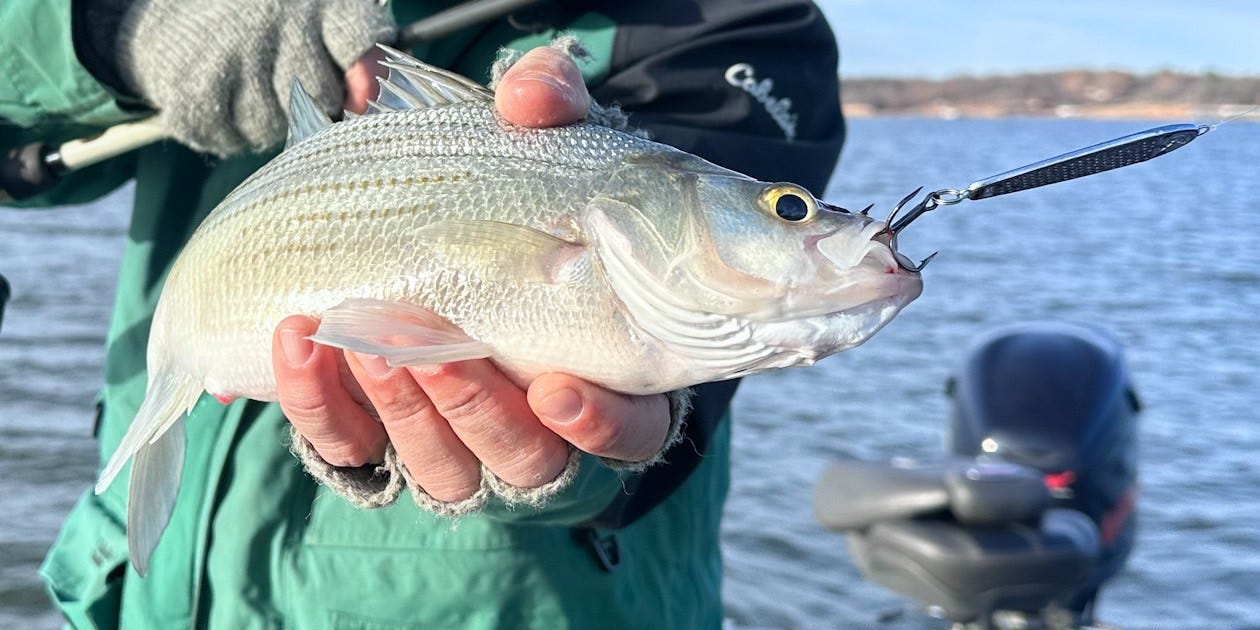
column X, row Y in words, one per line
column 1101, row 157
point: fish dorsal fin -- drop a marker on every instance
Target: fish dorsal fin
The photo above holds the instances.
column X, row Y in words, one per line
column 413, row 84
column 305, row 117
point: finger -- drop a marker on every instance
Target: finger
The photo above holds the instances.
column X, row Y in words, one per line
column 543, row 89
column 599, row 421
column 308, row 382
column 433, row 454
column 490, row 415
column 361, row 85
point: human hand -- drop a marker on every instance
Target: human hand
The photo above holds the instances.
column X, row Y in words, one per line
column 447, row 421
column 218, row 71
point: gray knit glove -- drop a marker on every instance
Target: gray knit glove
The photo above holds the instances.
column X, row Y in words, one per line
column 218, row 71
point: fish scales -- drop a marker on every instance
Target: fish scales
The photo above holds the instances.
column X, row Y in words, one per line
column 350, row 231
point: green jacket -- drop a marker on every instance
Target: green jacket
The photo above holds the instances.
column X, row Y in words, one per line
column 254, row 541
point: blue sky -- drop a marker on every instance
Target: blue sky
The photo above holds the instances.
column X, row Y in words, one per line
column 936, row 39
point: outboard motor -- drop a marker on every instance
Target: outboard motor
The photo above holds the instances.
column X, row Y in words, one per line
column 1059, row 399
column 1031, row 511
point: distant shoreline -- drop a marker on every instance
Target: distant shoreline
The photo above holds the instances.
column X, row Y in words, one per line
column 1070, row 94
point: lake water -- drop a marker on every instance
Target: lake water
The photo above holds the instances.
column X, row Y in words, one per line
column 1166, row 255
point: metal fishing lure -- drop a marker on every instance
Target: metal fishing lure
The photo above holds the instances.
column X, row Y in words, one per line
column 1104, row 156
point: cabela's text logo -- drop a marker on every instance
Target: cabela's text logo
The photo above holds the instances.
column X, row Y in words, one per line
column 744, row 77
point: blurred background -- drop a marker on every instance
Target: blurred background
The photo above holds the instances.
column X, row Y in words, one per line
column 1165, row 255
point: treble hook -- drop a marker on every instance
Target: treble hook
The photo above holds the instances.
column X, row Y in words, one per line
column 923, row 263
column 933, row 200
column 897, row 208
column 894, row 226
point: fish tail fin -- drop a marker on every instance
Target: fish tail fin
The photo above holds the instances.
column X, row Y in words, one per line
column 156, row 441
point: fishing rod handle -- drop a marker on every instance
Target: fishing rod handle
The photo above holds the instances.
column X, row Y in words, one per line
column 114, row 141
column 28, row 170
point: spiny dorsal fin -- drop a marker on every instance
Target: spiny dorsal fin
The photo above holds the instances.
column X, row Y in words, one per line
column 305, row 117
column 413, row 84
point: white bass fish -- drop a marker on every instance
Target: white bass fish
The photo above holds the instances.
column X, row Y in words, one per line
column 431, row 230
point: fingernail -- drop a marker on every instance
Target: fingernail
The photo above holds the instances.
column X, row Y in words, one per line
column 375, row 366
column 546, row 78
column 297, row 348
column 563, row 405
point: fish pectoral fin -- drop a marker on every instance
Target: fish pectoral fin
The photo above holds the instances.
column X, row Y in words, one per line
column 402, row 334
column 155, row 474
column 529, row 255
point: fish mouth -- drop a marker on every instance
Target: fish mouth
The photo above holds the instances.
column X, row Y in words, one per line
column 860, row 271
column 888, row 256
column 880, row 249
column 889, row 238
column 902, row 273
column 879, row 252
column 895, row 276
column 858, row 301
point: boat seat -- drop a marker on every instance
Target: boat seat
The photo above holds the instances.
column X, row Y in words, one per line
column 964, row 573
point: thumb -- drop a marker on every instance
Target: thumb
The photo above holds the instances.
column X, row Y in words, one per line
column 542, row 89
column 599, row 421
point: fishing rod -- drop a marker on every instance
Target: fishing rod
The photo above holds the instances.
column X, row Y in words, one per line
column 30, row 169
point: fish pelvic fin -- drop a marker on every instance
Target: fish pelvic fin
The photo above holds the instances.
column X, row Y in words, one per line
column 170, row 394
column 413, row 84
column 305, row 117
column 156, row 442
column 155, row 475
column 402, row 334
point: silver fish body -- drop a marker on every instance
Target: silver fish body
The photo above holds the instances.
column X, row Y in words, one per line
column 434, row 231
column 444, row 209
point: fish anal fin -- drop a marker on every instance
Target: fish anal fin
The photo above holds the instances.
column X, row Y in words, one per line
column 403, row 334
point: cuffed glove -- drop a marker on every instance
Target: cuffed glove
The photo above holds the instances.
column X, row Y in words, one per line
column 378, row 485
column 218, row 71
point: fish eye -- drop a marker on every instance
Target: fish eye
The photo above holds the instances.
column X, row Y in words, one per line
column 790, row 203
